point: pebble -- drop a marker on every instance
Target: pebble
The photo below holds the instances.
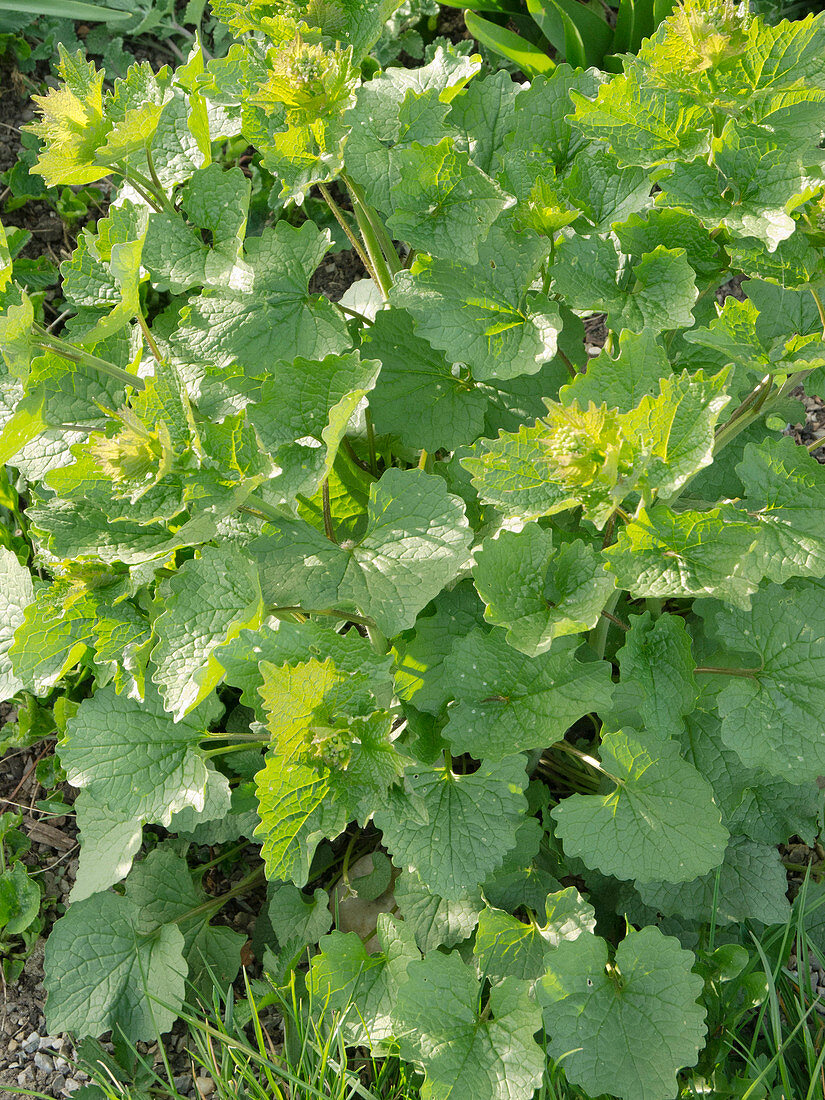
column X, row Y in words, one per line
column 32, row 1043
column 12, row 1045
column 44, row 1062
column 72, row 1085
column 183, row 1082
column 58, row 1083
column 205, row 1086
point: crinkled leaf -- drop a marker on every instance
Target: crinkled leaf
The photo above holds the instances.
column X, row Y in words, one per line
column 538, row 591
column 454, row 830
column 416, row 539
column 507, row 702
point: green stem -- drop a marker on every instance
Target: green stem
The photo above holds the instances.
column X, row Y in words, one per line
column 159, row 188
column 337, row 213
column 329, row 530
column 49, row 342
column 378, row 639
column 820, row 308
column 749, row 673
column 254, row 504
column 371, row 443
column 345, row 443
column 149, row 338
column 598, row 635
column 380, row 271
column 384, row 240
column 354, row 313
column 332, row 612
column 251, row 879
column 223, row 750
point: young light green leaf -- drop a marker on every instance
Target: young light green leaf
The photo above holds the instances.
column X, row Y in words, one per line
column 507, row 947
column 343, row 974
column 660, row 821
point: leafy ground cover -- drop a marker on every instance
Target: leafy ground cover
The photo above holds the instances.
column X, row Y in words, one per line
column 514, row 650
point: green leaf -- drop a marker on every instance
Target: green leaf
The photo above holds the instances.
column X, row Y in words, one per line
column 538, row 591
column 416, row 539
column 16, row 593
column 484, row 114
column 343, row 974
column 164, row 892
column 484, row 314
column 103, row 970
column 507, row 702
column 621, row 382
column 505, row 946
column 665, row 553
column 656, row 293
column 443, row 204
column 454, row 830
column 303, row 404
column 295, row 643
column 72, row 125
column 752, row 885
column 397, row 107
column 331, row 758
column 766, row 714
column 660, row 821
column 133, row 757
column 421, row 675
column 293, row 915
column 209, row 601
column 516, row 472
column 463, row 1054
column 20, row 900
column 784, row 489
column 657, row 679
column 418, row 398
column 435, row 921
column 626, row 1026
column 643, row 124
column 175, row 254
column 275, row 318
column 109, row 841
column 52, row 638
column 753, row 802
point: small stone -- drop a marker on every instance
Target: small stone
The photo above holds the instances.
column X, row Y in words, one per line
column 60, row 1064
column 182, row 1082
column 72, row 1085
column 23, row 1077
column 48, row 1042
column 32, row 1043
column 58, row 1083
column 205, row 1086
column 12, row 1045
column 44, row 1062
